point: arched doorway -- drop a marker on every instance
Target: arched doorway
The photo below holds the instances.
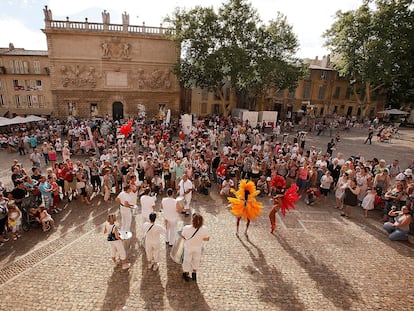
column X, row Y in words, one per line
column 117, row 111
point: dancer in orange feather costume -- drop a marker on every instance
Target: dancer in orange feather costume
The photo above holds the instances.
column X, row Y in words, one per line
column 244, row 205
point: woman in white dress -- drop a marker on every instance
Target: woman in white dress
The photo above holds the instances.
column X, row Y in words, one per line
column 362, row 178
column 194, row 236
column 115, row 241
column 339, row 191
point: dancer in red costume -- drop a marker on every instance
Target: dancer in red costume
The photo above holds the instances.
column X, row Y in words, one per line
column 277, row 187
column 244, row 204
column 283, row 200
column 277, row 202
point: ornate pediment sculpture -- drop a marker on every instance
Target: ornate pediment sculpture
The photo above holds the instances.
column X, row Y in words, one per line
column 157, row 79
column 77, row 76
column 116, row 49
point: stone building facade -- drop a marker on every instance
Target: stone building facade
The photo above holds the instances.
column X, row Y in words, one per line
column 114, row 70
column 322, row 93
column 24, row 82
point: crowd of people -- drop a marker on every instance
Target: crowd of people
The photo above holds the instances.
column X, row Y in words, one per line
column 166, row 160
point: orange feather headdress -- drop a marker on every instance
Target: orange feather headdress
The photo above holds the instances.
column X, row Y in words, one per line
column 244, row 204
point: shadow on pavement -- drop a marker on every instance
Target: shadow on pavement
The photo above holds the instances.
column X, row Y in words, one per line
column 404, row 248
column 331, row 284
column 284, row 296
column 119, row 284
column 182, row 295
column 151, row 289
column 117, row 291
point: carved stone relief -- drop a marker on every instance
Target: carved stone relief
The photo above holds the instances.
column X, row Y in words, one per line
column 116, row 49
column 157, row 79
column 77, row 76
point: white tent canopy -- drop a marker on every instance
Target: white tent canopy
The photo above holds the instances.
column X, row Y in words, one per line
column 18, row 120
column 33, row 118
column 394, row 112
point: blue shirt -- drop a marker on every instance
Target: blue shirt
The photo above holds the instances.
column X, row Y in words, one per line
column 44, row 187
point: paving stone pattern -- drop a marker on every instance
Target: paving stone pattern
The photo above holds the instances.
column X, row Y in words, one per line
column 316, row 260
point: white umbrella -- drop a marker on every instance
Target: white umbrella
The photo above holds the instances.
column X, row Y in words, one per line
column 394, row 112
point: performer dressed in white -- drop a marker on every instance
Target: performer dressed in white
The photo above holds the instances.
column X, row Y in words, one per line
column 185, row 190
column 171, row 210
column 126, row 201
column 152, row 233
column 147, row 205
column 194, row 236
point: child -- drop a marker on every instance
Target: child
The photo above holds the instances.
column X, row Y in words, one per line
column 312, row 195
column 152, row 233
column 115, row 241
column 368, row 201
column 226, row 186
column 14, row 219
column 45, row 217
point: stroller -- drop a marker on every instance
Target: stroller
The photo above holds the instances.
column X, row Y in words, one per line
column 29, row 203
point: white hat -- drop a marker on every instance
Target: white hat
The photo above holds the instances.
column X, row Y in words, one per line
column 408, row 172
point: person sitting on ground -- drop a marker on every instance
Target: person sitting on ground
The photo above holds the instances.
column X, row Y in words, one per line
column 393, row 197
column 226, row 185
column 398, row 231
column 312, row 196
column 262, row 185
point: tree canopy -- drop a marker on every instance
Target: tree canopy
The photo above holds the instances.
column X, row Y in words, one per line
column 374, row 47
column 233, row 47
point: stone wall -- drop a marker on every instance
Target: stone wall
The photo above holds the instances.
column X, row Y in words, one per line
column 93, row 63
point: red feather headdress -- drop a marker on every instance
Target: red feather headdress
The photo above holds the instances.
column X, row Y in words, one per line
column 279, row 183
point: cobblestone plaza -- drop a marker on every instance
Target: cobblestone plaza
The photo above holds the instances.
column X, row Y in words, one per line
column 316, row 260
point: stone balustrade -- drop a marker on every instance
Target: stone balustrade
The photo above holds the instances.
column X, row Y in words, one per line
column 99, row 27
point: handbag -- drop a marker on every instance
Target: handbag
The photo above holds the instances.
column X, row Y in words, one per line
column 177, row 251
column 111, row 236
column 145, row 237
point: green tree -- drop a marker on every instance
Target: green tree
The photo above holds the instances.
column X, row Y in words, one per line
column 277, row 68
column 373, row 46
column 232, row 48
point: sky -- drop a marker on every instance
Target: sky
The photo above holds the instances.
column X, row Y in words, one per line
column 21, row 21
